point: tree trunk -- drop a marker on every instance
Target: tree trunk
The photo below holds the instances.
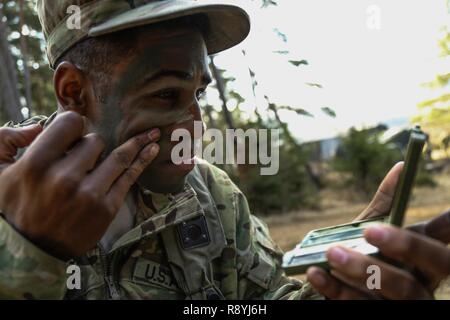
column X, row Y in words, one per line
column 24, row 51
column 9, row 93
column 221, row 89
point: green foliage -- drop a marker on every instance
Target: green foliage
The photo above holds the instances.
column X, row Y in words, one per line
column 316, row 85
column 299, row 111
column 364, row 160
column 298, row 62
column 434, row 114
column 267, row 3
column 328, row 111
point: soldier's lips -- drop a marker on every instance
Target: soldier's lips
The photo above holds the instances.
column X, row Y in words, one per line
column 180, row 166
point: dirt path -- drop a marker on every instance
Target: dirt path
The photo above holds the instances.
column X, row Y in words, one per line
column 288, row 229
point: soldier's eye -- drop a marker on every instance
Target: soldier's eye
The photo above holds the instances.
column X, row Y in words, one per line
column 168, row 94
column 200, row 94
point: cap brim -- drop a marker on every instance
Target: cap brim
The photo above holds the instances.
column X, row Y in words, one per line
column 229, row 24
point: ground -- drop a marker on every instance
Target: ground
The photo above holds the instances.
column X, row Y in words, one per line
column 338, row 207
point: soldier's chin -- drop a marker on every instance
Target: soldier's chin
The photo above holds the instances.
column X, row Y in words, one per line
column 162, row 179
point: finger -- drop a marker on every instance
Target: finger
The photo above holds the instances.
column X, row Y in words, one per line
column 116, row 196
column 439, row 228
column 65, row 130
column 120, row 160
column 356, row 268
column 382, row 201
column 331, row 287
column 428, row 255
column 418, row 227
column 12, row 139
column 83, row 157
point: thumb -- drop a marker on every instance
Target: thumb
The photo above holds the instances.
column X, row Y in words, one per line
column 382, row 201
column 11, row 139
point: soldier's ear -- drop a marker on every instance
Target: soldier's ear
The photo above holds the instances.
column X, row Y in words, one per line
column 73, row 88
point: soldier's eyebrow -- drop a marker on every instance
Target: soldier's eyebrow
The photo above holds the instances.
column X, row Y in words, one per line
column 182, row 75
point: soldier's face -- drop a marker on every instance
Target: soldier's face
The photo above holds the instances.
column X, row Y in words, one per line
column 158, row 86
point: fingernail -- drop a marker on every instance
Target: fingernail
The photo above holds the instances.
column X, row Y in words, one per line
column 154, row 150
column 377, row 234
column 154, row 134
column 337, row 256
column 150, row 151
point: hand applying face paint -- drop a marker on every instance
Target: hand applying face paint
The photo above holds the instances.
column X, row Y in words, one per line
column 59, row 196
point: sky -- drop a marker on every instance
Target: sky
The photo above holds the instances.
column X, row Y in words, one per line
column 370, row 57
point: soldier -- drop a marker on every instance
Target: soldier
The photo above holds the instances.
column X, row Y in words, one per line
column 96, row 186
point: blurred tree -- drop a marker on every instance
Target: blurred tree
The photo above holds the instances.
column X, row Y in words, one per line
column 27, row 49
column 24, row 54
column 9, row 94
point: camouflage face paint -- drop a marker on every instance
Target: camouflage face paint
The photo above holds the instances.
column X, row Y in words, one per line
column 174, row 63
column 119, row 108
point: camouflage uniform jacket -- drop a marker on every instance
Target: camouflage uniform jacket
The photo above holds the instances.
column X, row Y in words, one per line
column 202, row 243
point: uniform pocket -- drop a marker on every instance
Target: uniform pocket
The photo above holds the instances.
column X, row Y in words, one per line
column 262, row 263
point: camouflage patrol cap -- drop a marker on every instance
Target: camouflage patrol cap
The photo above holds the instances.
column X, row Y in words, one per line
column 229, row 23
